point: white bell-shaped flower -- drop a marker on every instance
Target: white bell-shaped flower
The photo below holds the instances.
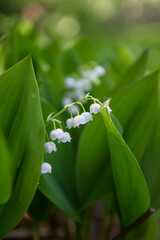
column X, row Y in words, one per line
column 95, row 108
column 65, row 138
column 78, row 120
column 56, row 134
column 49, row 147
column 69, row 123
column 46, row 168
column 88, row 116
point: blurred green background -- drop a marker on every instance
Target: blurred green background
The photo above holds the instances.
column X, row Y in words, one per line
column 111, row 32
column 130, row 24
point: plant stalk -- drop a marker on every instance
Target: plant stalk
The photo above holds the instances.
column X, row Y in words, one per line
column 133, row 225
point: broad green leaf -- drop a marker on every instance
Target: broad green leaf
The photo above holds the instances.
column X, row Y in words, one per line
column 91, row 160
column 152, row 230
column 136, row 108
column 22, row 124
column 151, row 165
column 93, row 166
column 128, row 178
column 5, row 171
column 59, row 186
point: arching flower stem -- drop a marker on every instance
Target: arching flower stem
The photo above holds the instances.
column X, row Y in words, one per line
column 70, row 113
column 59, row 122
column 82, row 106
column 67, row 107
column 46, row 135
column 76, row 110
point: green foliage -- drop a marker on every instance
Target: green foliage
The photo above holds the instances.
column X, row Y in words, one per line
column 151, row 170
column 59, row 186
column 115, row 154
column 136, row 71
column 5, row 171
column 137, row 112
column 128, row 177
column 22, row 125
column 40, row 208
column 91, row 161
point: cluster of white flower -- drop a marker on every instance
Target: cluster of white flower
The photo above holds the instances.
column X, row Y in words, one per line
column 59, row 135
column 78, row 86
column 73, row 122
column 79, row 120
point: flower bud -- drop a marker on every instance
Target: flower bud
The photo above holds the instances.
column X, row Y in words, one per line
column 49, row 147
column 78, row 120
column 87, row 116
column 56, row 134
column 46, row 168
column 65, row 138
column 69, row 123
column 95, row 108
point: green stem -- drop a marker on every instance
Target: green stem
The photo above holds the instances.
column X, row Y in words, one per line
column 70, row 113
column 60, row 125
column 56, row 115
column 36, row 232
column 133, row 225
column 54, row 124
column 76, row 110
column 80, row 232
column 47, row 135
column 87, row 97
column 68, row 106
column 82, row 106
column 94, row 100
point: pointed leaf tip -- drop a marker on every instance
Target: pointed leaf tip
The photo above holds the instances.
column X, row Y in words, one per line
column 106, row 103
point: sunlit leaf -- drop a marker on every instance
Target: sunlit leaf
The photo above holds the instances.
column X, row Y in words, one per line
column 22, row 124
column 128, row 178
